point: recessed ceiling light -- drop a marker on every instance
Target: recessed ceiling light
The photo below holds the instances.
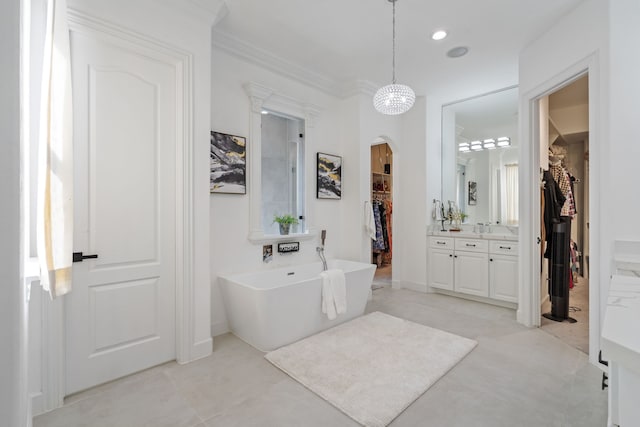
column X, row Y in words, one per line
column 264, row 112
column 457, row 52
column 439, row 35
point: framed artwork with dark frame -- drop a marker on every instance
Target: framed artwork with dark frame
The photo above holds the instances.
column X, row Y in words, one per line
column 473, row 193
column 329, row 176
column 228, row 160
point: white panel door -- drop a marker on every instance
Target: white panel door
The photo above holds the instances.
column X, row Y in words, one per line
column 120, row 315
column 471, row 273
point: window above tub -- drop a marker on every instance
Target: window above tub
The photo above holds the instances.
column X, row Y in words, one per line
column 281, row 132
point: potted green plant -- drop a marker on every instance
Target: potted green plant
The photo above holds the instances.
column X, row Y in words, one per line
column 285, row 221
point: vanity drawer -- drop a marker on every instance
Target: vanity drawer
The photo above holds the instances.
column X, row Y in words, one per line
column 503, row 247
column 441, row 242
column 471, row 245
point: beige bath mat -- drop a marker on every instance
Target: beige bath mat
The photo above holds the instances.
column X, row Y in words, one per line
column 373, row 367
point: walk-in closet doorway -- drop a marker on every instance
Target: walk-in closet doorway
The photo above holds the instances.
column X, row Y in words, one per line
column 382, row 205
column 564, row 212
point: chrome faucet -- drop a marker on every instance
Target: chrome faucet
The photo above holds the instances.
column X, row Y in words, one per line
column 320, row 249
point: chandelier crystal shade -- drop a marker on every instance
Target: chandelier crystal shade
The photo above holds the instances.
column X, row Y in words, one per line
column 395, row 98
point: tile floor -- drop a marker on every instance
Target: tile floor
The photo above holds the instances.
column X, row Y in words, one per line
column 515, row 377
column 574, row 334
column 382, row 277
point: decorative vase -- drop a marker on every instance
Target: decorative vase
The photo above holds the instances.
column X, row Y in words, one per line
column 284, row 228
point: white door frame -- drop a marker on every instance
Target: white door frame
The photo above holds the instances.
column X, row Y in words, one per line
column 53, row 311
column 529, row 310
column 382, row 139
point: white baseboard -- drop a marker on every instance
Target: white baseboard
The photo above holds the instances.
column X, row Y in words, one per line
column 505, row 304
column 219, row 328
column 413, row 286
column 201, row 349
column 37, row 404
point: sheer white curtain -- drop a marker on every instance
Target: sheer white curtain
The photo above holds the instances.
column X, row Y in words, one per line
column 55, row 150
column 511, row 187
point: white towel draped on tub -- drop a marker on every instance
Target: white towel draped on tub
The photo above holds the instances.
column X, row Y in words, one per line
column 334, row 293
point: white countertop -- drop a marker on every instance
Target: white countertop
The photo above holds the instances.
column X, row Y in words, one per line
column 620, row 336
column 472, row 235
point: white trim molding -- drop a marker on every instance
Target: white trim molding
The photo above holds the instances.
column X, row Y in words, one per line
column 53, row 312
column 265, row 59
column 261, row 97
column 529, row 307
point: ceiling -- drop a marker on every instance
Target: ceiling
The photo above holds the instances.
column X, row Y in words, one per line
column 346, row 41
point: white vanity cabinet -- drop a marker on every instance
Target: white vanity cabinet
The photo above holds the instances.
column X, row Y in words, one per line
column 470, row 267
column 503, row 270
column 441, row 263
column 480, row 267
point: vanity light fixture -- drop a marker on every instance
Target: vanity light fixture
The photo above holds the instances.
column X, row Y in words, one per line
column 395, row 98
column 504, row 141
column 464, row 147
column 439, row 35
column 489, row 143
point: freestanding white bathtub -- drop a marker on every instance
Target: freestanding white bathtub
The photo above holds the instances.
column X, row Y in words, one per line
column 269, row 309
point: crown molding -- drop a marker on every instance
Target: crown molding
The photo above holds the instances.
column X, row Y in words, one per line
column 209, row 12
column 359, row 87
column 253, row 54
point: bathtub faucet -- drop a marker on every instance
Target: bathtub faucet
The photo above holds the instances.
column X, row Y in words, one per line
column 320, row 249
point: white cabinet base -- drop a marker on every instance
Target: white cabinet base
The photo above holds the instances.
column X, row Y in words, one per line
column 474, row 268
column 491, row 301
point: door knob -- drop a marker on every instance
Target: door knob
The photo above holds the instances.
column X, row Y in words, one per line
column 78, row 256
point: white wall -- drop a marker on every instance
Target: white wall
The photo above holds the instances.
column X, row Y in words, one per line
column 577, row 41
column 343, row 127
column 411, row 210
column 13, row 378
column 231, row 251
column 624, row 105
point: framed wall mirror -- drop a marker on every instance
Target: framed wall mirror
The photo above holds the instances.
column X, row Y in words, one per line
column 480, row 157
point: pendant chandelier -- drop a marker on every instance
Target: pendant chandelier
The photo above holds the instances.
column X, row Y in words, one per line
column 395, row 98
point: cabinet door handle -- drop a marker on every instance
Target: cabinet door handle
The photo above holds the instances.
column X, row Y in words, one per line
column 455, row 256
column 450, row 255
column 491, row 259
column 505, row 247
column 441, row 243
column 471, row 245
column 605, row 381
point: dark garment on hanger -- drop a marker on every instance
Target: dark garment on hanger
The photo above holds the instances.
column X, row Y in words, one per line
column 378, row 244
column 385, row 232
column 553, row 202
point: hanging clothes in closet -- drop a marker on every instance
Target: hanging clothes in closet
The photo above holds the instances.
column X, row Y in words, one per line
column 553, row 203
column 378, row 244
column 382, row 216
column 388, row 204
